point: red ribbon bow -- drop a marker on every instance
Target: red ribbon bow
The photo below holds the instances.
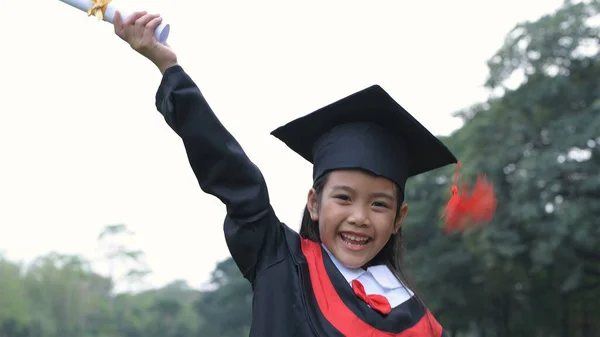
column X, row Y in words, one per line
column 376, row 302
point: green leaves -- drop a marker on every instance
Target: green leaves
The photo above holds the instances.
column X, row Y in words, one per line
column 547, row 46
column 538, row 142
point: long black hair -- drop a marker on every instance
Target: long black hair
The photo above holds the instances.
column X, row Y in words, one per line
column 392, row 254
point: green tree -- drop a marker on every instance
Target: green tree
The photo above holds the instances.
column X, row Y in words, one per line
column 534, row 269
column 227, row 310
column 15, row 307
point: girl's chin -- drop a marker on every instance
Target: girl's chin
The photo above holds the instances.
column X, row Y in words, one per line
column 351, row 257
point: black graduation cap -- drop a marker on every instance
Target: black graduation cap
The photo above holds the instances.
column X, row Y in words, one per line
column 367, row 130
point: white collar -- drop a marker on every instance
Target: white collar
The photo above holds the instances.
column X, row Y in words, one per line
column 381, row 273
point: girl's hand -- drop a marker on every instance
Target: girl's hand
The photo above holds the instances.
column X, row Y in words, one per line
column 138, row 30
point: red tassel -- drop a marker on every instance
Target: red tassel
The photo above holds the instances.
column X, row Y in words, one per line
column 465, row 209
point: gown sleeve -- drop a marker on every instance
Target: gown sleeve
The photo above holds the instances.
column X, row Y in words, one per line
column 252, row 231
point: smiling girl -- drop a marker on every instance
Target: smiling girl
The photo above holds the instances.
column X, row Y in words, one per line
column 341, row 275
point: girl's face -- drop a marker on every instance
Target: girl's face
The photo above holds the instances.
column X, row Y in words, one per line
column 356, row 215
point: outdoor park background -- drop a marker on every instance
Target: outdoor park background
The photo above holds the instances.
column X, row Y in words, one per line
column 86, row 158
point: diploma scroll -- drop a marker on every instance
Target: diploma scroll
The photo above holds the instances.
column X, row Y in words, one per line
column 161, row 33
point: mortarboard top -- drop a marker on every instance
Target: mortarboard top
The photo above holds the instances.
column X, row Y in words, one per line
column 367, row 130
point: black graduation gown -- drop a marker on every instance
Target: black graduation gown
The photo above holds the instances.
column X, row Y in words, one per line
column 298, row 291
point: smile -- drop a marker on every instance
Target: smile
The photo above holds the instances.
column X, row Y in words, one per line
column 354, row 241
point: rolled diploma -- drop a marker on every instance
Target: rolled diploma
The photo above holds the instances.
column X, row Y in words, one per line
column 161, row 33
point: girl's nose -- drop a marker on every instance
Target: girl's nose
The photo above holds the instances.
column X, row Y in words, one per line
column 358, row 217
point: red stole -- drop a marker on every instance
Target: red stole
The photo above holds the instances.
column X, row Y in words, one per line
column 340, row 316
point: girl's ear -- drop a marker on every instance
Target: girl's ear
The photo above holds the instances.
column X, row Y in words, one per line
column 401, row 217
column 312, row 204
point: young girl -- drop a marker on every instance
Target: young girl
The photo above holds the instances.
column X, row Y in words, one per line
column 341, row 276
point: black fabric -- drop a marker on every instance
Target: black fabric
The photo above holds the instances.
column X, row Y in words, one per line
column 367, row 130
column 364, row 146
column 267, row 252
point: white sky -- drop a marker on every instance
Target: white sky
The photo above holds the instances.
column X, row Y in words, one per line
column 82, row 145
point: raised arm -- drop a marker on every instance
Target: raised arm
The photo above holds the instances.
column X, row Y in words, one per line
column 218, row 161
column 222, row 168
column 252, row 231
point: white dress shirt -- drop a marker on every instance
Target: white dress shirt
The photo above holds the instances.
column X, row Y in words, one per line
column 377, row 280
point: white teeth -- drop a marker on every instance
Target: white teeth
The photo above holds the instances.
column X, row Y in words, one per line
column 354, row 238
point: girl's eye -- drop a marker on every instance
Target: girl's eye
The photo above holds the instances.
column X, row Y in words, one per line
column 342, row 197
column 380, row 204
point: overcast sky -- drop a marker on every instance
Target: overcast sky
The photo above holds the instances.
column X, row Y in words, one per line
column 82, row 145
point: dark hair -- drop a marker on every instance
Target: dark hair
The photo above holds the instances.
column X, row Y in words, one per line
column 392, row 254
